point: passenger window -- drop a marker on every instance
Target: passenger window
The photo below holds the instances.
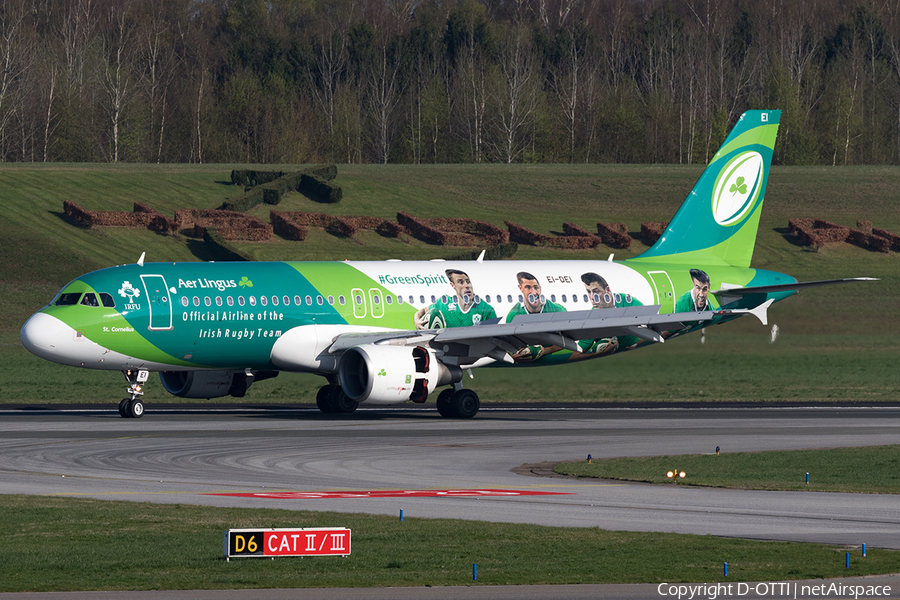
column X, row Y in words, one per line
column 230, row 301
column 509, row 298
column 331, row 300
column 90, row 300
column 68, row 299
column 389, row 298
column 309, row 300
column 241, row 300
column 286, row 300
column 263, row 301
column 342, row 300
column 399, row 299
column 196, row 301
column 218, row 300
column 252, row 300
column 185, row 301
column 320, row 300
column 564, row 298
column 297, row 301
column 107, row 300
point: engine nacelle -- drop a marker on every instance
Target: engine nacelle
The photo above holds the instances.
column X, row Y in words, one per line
column 210, row 384
column 392, row 374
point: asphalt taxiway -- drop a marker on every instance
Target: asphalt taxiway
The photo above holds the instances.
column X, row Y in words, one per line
column 184, row 455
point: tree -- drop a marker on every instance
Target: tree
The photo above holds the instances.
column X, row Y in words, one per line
column 517, row 92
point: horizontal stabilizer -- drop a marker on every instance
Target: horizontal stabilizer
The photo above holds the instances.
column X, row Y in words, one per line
column 785, row 287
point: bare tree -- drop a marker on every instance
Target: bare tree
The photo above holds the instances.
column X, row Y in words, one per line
column 383, row 97
column 159, row 59
column 117, row 75
column 518, row 92
column 16, row 57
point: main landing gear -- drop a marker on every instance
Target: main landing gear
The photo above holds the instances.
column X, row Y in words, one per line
column 132, row 407
column 457, row 402
column 452, row 403
column 332, row 399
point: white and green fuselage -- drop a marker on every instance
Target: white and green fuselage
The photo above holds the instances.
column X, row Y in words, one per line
column 186, row 316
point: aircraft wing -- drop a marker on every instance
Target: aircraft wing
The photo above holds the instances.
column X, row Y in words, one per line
column 467, row 345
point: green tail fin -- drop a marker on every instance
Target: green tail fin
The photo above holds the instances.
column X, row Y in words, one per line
column 718, row 221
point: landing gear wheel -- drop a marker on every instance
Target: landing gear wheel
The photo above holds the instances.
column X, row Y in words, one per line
column 445, row 409
column 135, row 409
column 343, row 403
column 465, row 404
column 324, row 399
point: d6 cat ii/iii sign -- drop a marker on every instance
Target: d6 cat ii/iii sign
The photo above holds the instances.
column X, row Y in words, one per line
column 315, row 541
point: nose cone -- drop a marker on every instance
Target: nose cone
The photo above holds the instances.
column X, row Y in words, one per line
column 40, row 335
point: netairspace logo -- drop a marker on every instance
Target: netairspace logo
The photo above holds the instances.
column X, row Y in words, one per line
column 781, row 589
column 737, row 188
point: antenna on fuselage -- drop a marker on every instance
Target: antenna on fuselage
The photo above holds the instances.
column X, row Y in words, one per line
column 480, row 256
column 140, row 261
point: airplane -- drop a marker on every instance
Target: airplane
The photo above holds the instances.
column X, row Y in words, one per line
column 387, row 332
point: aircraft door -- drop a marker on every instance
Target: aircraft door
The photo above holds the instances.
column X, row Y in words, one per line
column 358, row 298
column 665, row 291
column 377, row 303
column 159, row 301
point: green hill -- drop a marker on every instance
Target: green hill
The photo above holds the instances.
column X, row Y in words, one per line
column 836, row 343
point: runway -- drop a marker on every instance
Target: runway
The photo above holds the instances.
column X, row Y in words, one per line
column 181, row 456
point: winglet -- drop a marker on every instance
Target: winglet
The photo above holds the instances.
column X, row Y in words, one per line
column 761, row 312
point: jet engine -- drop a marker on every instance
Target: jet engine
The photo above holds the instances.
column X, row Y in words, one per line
column 392, row 374
column 211, row 384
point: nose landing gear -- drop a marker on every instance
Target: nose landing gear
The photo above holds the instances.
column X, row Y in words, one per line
column 132, row 407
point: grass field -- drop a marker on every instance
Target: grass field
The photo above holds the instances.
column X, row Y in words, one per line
column 50, row 544
column 836, row 343
column 869, row 470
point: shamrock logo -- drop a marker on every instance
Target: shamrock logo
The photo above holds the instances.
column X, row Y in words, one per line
column 740, row 186
column 382, row 373
column 129, row 291
column 245, row 282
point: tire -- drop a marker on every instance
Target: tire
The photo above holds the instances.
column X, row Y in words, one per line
column 123, row 408
column 465, row 404
column 135, row 409
column 444, row 405
column 343, row 403
column 325, row 399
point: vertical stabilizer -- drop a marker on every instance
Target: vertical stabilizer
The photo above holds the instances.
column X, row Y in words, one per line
column 718, row 221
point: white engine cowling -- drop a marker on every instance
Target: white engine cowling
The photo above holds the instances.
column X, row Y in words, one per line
column 198, row 384
column 392, row 374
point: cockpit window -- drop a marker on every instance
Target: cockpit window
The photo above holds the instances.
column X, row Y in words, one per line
column 90, row 300
column 107, row 300
column 68, row 299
